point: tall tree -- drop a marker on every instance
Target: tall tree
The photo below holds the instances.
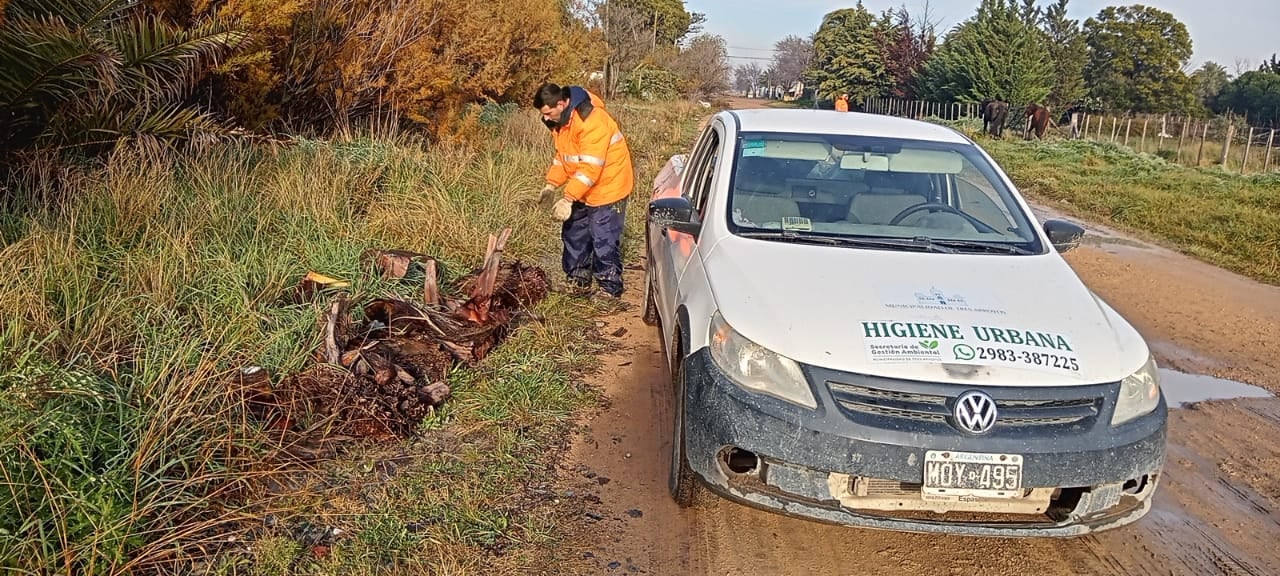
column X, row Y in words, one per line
column 907, row 43
column 791, row 58
column 704, row 66
column 993, row 54
column 746, row 77
column 847, row 58
column 667, row 20
column 1272, row 66
column 1136, row 57
column 1208, row 81
column 1068, row 53
column 1255, row 94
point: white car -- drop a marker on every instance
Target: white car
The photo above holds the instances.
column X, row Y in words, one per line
column 866, row 325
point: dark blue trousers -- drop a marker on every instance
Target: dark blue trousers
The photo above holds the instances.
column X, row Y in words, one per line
column 593, row 245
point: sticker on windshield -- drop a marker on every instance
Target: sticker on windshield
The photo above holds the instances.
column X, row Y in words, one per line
column 752, row 148
column 937, row 300
column 972, row 344
column 798, row 223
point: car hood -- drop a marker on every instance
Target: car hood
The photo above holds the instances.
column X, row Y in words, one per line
column 996, row 320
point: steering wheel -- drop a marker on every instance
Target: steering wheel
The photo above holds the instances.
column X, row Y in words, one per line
column 980, row 225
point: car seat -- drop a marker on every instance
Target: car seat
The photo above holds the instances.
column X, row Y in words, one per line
column 886, row 196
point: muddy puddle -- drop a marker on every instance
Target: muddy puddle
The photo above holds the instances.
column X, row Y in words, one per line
column 1181, row 388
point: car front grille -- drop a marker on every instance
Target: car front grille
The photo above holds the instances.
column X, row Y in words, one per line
column 860, row 401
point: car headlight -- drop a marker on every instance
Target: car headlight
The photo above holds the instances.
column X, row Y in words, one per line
column 755, row 368
column 1139, row 393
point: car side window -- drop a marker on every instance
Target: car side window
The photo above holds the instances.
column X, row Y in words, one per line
column 705, row 175
column 690, row 177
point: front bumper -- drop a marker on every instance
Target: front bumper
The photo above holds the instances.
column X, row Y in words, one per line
column 1099, row 477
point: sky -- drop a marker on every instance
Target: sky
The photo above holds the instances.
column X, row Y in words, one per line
column 1221, row 30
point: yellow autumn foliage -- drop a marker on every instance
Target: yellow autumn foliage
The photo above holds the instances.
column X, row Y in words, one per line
column 322, row 64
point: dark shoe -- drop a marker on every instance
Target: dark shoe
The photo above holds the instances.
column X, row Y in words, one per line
column 578, row 286
column 602, row 293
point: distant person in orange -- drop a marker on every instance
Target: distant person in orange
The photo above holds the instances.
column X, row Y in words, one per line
column 842, row 103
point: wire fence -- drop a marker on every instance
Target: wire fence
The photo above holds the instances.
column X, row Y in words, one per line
column 1225, row 141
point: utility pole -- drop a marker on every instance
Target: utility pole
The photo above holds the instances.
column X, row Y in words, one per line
column 608, row 54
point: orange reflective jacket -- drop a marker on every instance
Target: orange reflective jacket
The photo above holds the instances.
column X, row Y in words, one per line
column 592, row 158
column 842, row 105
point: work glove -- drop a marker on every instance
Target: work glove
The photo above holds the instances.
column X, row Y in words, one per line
column 562, row 209
column 548, row 197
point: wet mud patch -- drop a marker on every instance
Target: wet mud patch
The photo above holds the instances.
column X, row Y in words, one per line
column 1181, row 389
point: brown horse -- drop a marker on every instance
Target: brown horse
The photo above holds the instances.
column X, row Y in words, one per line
column 1038, row 120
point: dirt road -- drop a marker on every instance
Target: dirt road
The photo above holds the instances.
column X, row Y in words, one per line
column 1217, row 510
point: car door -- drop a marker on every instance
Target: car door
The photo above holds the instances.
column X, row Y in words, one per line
column 670, row 249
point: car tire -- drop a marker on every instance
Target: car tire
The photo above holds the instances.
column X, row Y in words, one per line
column 650, row 316
column 684, row 485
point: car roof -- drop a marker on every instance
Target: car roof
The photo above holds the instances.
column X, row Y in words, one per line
column 801, row 121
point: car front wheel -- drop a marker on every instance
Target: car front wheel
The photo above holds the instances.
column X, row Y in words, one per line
column 684, row 486
column 650, row 305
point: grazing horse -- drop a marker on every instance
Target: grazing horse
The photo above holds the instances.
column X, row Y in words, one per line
column 994, row 115
column 1038, row 120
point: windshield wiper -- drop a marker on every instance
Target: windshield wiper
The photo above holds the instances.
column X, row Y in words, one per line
column 985, row 246
column 919, row 243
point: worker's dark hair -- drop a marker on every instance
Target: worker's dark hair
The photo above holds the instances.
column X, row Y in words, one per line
column 548, row 94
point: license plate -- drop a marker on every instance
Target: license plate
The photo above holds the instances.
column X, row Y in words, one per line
column 948, row 473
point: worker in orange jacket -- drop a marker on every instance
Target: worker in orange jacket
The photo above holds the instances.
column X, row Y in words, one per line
column 842, row 103
column 593, row 163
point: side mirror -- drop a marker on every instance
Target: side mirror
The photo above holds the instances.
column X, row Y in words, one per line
column 674, row 213
column 1065, row 236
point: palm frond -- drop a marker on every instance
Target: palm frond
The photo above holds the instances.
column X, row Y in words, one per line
column 77, row 14
column 43, row 63
column 161, row 61
column 103, row 121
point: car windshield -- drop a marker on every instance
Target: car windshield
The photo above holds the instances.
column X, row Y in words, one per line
column 841, row 188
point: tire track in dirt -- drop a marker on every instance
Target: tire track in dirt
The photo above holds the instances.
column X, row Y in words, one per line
column 1215, row 512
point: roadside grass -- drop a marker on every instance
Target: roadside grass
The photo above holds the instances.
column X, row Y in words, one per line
column 138, row 288
column 1223, row 218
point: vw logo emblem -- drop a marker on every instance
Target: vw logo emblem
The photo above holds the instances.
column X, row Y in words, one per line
column 975, row 412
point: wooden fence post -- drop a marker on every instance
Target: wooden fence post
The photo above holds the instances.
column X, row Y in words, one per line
column 1203, row 137
column 1266, row 164
column 1128, row 123
column 1182, row 137
column 1248, row 144
column 1145, row 121
column 1115, row 128
column 1164, row 121
column 1099, row 138
column 1226, row 145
